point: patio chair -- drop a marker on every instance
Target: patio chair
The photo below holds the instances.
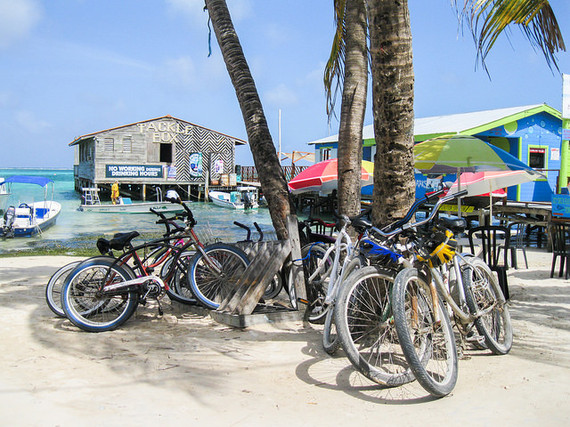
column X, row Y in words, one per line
column 517, row 242
column 560, row 248
column 495, row 243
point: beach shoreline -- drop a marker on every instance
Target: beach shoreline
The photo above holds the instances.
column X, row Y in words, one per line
column 185, row 367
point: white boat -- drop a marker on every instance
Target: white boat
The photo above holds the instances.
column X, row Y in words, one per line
column 29, row 219
column 242, row 198
column 92, row 203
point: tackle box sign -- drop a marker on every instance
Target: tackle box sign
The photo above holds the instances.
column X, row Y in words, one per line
column 133, row 171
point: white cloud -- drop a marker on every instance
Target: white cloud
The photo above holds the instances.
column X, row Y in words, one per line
column 281, row 96
column 17, row 19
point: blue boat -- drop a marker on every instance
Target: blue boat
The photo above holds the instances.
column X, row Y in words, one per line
column 29, row 219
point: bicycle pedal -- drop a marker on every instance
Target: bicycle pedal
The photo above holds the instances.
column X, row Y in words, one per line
column 303, row 301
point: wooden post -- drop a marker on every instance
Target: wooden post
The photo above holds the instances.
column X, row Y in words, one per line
column 297, row 265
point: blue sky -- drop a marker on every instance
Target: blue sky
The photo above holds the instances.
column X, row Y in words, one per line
column 72, row 67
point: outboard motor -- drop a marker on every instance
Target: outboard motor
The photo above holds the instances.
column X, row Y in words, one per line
column 247, row 203
column 9, row 216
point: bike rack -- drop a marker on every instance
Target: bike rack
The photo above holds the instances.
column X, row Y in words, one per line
column 242, row 307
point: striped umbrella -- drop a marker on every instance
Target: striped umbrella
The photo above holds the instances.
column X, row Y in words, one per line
column 323, row 177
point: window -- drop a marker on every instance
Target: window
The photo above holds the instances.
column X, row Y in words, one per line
column 327, row 153
column 127, row 144
column 165, row 153
column 537, row 158
column 109, row 144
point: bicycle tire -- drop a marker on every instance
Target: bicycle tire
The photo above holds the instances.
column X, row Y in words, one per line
column 419, row 332
column 91, row 311
column 178, row 286
column 365, row 326
column 54, row 286
column 275, row 286
column 331, row 340
column 485, row 299
column 210, row 288
column 312, row 254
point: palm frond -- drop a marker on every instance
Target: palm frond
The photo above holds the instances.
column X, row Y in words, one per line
column 488, row 19
column 334, row 70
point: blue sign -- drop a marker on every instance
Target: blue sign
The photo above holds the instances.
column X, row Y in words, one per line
column 561, row 205
column 133, row 171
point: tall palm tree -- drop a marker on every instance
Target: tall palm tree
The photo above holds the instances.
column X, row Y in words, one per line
column 393, row 80
column 271, row 176
column 348, row 64
column 393, row 108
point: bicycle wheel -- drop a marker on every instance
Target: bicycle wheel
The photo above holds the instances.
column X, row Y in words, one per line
column 485, row 299
column 212, row 279
column 54, row 286
column 331, row 340
column 313, row 254
column 424, row 329
column 365, row 325
column 178, row 284
column 90, row 309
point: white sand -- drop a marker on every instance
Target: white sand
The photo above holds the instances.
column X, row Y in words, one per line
column 185, row 369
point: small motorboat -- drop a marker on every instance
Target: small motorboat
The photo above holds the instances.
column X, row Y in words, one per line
column 29, row 219
column 242, row 198
column 92, row 203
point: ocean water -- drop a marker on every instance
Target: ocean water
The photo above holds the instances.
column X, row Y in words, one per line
column 82, row 229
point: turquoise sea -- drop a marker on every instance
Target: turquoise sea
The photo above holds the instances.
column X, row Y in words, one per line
column 81, row 229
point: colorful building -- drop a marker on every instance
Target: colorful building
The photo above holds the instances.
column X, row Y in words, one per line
column 532, row 133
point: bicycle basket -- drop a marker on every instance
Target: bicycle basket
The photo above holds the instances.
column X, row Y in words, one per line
column 438, row 249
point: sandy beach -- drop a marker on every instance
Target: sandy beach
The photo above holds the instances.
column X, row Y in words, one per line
column 185, row 368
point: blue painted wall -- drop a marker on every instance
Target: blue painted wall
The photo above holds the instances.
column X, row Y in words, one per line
column 539, row 130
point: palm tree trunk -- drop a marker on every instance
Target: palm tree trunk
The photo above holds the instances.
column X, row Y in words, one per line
column 271, row 176
column 393, row 107
column 353, row 108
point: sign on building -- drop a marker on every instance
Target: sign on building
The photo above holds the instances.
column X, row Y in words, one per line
column 133, row 171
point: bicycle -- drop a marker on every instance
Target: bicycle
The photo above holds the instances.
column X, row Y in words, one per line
column 56, row 281
column 102, row 293
column 325, row 281
column 363, row 312
column 471, row 293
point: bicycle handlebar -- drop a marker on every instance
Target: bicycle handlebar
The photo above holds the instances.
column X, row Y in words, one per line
column 435, row 209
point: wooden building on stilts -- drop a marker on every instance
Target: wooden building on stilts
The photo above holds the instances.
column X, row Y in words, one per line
column 152, row 156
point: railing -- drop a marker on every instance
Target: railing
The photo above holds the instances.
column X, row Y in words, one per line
column 249, row 173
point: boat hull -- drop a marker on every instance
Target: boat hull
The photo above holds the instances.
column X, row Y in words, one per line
column 45, row 215
column 133, row 208
column 223, row 199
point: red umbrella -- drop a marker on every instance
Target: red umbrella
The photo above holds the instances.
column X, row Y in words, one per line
column 323, row 177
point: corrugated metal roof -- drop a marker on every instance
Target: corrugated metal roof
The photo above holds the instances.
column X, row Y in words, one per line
column 453, row 123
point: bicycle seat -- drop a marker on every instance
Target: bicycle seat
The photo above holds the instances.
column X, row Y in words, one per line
column 457, row 225
column 118, row 242
column 361, row 224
